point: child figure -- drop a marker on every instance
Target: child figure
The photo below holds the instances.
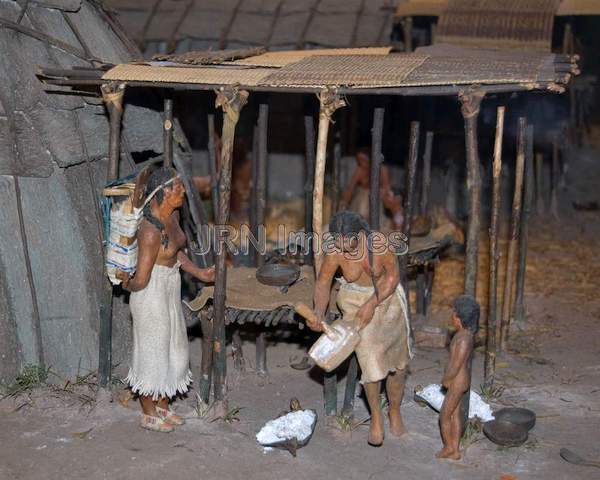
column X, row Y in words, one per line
column 457, row 377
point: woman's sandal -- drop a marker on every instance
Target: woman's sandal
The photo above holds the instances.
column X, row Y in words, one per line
column 156, row 424
column 169, row 416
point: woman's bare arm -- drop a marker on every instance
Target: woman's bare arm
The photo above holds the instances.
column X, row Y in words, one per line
column 202, row 274
column 323, row 287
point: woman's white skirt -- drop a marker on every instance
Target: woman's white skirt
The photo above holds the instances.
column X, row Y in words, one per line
column 160, row 361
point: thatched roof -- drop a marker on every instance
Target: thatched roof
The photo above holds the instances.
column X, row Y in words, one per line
column 181, row 25
column 434, row 8
column 502, row 24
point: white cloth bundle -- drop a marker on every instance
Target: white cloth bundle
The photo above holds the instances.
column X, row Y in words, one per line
column 120, row 256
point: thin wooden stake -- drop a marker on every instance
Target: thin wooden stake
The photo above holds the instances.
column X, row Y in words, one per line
column 409, row 201
column 555, row 178
column 309, row 132
column 231, row 100
column 376, row 160
column 407, row 28
column 490, row 346
column 254, row 195
column 262, row 164
column 335, row 174
column 426, row 174
column 519, row 311
column 206, row 364
column 470, row 111
column 514, row 236
column 168, row 129
column 212, row 166
column 539, row 184
column 113, row 95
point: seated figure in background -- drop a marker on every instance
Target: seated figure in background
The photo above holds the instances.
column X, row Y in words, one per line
column 356, row 195
column 241, row 180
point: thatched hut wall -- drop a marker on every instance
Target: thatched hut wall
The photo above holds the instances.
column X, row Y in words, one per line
column 57, row 146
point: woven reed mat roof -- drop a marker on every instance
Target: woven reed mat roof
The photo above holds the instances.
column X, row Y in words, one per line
column 359, row 71
column 484, row 68
column 218, row 75
column 434, row 8
column 281, row 59
column 245, row 292
column 502, row 24
column 209, row 57
column 435, row 65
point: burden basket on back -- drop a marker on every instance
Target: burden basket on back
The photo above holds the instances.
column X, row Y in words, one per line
column 122, row 211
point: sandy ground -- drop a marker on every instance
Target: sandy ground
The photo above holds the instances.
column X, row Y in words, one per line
column 553, row 367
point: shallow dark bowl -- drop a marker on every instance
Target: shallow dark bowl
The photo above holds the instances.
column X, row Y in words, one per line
column 519, row 416
column 505, row 433
column 278, row 274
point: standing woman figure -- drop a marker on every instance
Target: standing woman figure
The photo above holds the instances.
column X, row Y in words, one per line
column 160, row 363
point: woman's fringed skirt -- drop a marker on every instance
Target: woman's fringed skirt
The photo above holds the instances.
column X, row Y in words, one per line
column 160, row 361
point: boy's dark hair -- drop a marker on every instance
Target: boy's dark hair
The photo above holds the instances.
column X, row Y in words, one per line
column 348, row 223
column 157, row 178
column 364, row 150
column 467, row 309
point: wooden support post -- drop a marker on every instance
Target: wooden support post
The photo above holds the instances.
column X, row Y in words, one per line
column 335, row 174
column 490, row 346
column 112, row 94
column 205, row 381
column 426, row 186
column 470, row 111
column 261, row 167
column 212, row 166
column 539, row 184
column 254, row 196
column 330, row 101
column 350, row 392
column 555, row 178
column 376, row 160
column 514, row 235
column 568, row 48
column 409, row 200
column 519, row 310
column 231, row 100
column 407, row 24
column 168, row 129
column 261, row 352
column 239, row 363
column 309, row 139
